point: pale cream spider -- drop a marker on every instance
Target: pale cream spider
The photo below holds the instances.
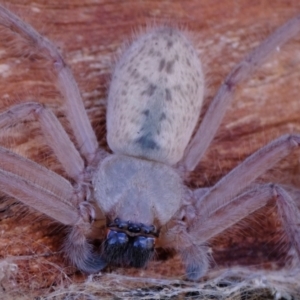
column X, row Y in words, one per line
column 138, row 192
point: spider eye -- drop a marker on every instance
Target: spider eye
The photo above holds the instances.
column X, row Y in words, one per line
column 146, row 230
column 135, row 228
column 122, row 225
column 150, row 230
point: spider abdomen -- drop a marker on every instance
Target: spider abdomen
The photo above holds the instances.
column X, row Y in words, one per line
column 155, row 97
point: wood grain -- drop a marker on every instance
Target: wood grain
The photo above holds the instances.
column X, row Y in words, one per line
column 90, row 34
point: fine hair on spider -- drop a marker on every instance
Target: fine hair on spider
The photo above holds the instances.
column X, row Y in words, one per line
column 137, row 192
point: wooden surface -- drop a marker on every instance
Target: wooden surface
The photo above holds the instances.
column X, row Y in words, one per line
column 90, row 34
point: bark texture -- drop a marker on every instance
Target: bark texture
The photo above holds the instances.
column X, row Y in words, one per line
column 90, row 34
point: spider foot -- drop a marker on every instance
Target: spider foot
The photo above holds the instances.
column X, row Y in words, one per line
column 195, row 271
column 82, row 253
column 91, row 263
column 196, row 261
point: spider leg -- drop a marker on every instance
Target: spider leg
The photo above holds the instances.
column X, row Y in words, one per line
column 175, row 234
column 195, row 257
column 219, row 208
column 55, row 134
column 75, row 111
column 54, row 196
column 212, row 210
column 243, row 205
column 81, row 253
column 245, row 173
column 216, row 111
column 38, row 187
column 196, row 260
column 31, row 171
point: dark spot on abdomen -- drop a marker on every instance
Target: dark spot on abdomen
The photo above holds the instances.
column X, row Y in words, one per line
column 150, row 90
column 170, row 66
column 162, row 117
column 161, row 65
column 168, row 95
column 146, row 112
column 169, row 44
column 147, row 142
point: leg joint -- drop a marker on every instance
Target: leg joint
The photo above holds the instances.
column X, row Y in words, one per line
column 294, row 140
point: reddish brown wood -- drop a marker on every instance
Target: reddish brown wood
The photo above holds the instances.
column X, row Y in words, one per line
column 89, row 34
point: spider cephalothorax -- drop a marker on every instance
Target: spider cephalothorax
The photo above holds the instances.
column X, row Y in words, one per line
column 139, row 190
column 134, row 229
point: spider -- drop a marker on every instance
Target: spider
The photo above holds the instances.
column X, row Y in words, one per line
column 137, row 192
